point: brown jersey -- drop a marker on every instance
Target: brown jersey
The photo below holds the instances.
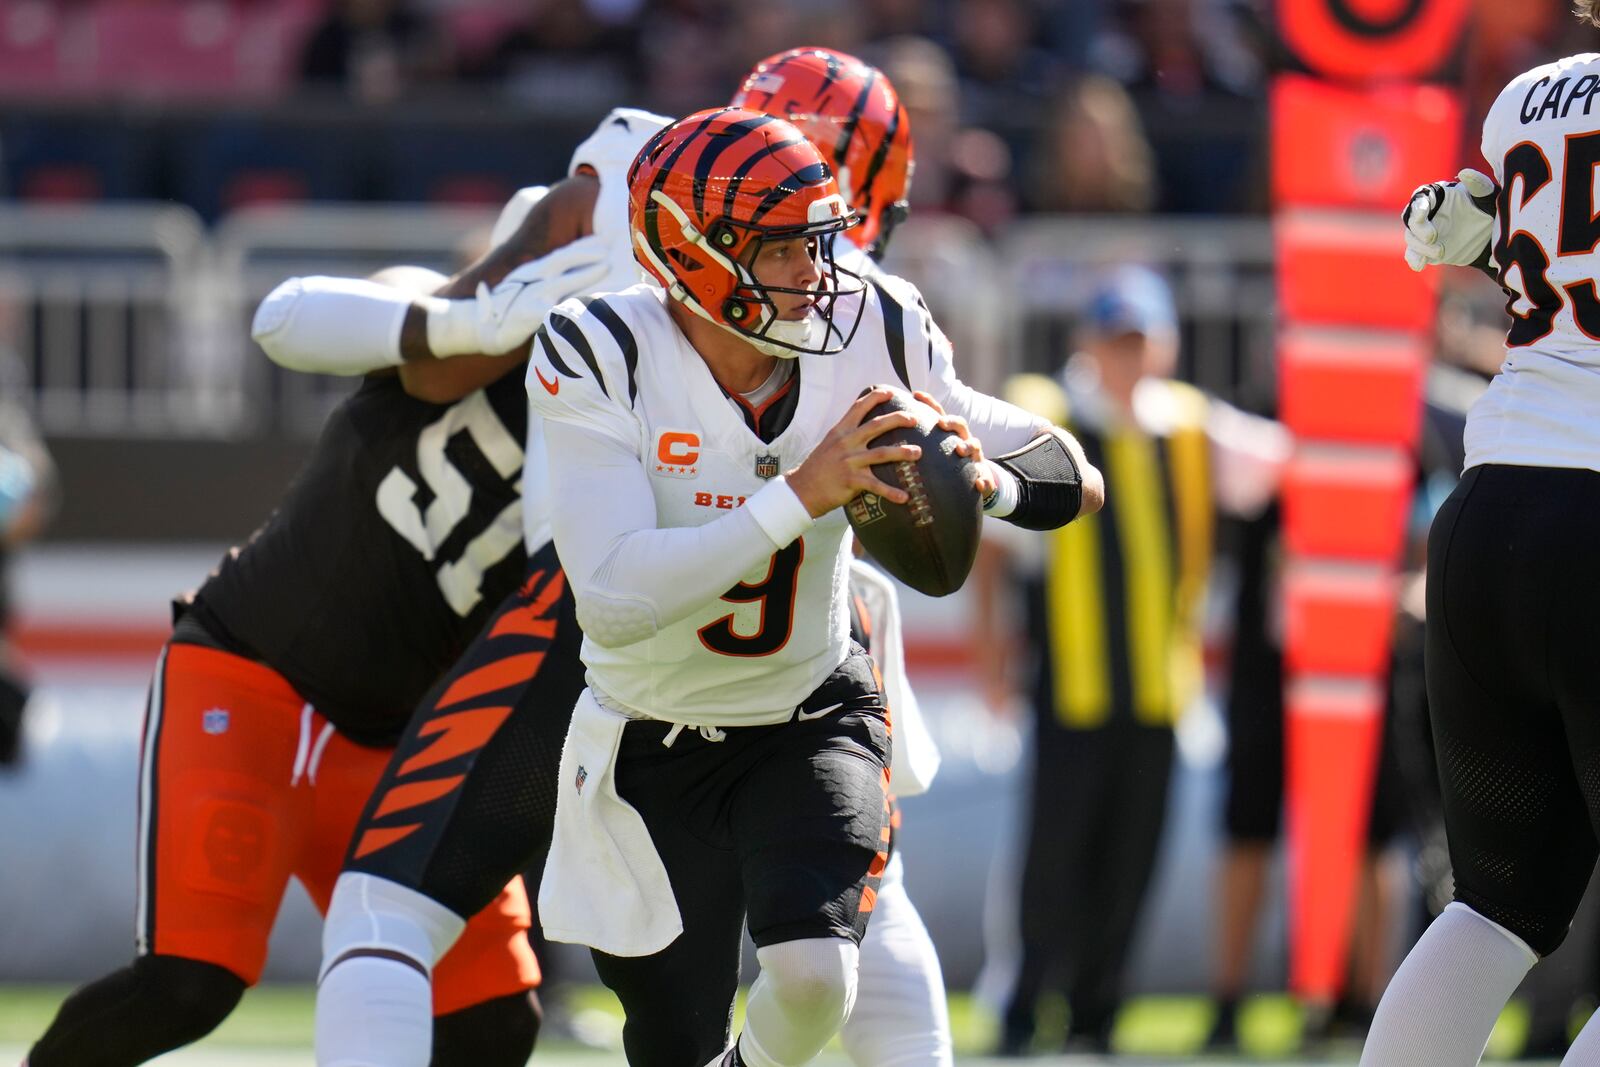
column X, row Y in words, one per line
column 390, row 550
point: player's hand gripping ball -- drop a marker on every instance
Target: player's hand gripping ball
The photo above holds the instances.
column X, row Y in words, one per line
column 929, row 542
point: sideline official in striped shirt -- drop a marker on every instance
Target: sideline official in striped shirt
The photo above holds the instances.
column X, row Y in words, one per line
column 1112, row 616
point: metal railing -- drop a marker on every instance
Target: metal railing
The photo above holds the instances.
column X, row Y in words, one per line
column 134, row 320
column 256, row 248
column 1221, row 272
column 94, row 303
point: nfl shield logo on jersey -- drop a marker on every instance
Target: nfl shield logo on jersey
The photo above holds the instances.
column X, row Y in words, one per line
column 214, row 721
column 582, row 776
column 766, row 466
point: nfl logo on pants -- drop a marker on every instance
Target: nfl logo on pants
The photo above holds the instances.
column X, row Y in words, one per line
column 766, row 466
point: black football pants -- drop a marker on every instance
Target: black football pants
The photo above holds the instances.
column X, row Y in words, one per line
column 497, row 721
column 783, row 829
column 1513, row 665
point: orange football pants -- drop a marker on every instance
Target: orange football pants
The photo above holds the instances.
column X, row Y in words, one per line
column 243, row 784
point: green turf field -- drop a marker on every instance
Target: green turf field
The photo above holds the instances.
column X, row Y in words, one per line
column 272, row 1028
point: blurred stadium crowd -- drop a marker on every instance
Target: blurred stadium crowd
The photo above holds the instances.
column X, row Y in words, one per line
column 1019, row 105
column 1081, row 105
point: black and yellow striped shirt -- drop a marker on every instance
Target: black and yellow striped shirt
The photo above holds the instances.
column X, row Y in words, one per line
column 1118, row 606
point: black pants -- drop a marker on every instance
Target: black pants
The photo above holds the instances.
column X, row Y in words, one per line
column 787, row 824
column 496, row 724
column 1513, row 664
column 13, row 700
column 1099, row 801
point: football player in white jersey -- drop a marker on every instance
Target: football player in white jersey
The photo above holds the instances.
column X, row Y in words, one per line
column 854, row 116
column 1513, row 578
column 852, row 113
column 902, row 1019
column 728, row 763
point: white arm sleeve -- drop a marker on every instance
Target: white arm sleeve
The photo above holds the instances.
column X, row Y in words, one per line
column 1248, row 455
column 332, row 325
column 1000, row 426
column 629, row 577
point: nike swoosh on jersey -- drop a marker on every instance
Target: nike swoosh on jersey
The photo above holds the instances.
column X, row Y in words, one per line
column 550, row 387
column 802, row 714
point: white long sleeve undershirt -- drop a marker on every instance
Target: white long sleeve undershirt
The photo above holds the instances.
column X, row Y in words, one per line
column 631, row 578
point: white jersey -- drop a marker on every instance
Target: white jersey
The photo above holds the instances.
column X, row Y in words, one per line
column 609, row 152
column 706, row 593
column 1543, row 408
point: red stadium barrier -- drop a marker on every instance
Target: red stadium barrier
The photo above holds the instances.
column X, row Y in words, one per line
column 1340, row 385
column 1331, row 751
column 1345, row 157
column 1343, row 147
column 1338, row 620
column 1345, row 268
column 1347, row 503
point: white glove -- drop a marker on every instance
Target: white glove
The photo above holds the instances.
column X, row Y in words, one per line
column 1450, row 222
column 502, row 318
column 510, row 313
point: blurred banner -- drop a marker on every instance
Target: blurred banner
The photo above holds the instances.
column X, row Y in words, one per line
column 1363, row 114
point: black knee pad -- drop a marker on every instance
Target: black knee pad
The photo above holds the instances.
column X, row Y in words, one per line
column 495, row 1033
column 156, row 1005
column 193, row 996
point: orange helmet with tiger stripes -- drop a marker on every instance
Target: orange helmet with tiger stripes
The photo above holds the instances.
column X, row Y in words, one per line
column 705, row 193
column 854, row 117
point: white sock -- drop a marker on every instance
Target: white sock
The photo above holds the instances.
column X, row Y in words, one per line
column 374, row 1012
column 1585, row 1051
column 380, row 941
column 901, row 1018
column 1441, row 1006
column 802, row 996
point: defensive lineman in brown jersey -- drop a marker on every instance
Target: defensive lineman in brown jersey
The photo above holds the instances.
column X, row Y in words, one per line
column 289, row 674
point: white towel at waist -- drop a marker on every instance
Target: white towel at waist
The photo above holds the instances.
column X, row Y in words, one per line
column 604, row 883
column 916, row 756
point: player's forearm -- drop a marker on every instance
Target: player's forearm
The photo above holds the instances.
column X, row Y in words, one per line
column 1001, row 426
column 1044, row 481
column 1053, row 481
column 331, row 325
column 351, row 326
column 705, row 562
column 630, row 578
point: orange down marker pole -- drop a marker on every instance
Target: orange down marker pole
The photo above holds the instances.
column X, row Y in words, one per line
column 1354, row 130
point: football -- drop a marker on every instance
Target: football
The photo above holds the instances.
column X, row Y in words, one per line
column 929, row 542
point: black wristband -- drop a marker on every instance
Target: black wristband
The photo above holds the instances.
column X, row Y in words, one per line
column 1049, row 484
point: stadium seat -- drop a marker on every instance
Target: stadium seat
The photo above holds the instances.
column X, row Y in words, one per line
column 78, row 156
column 166, row 47
column 61, row 183
column 32, row 36
column 270, row 42
column 264, row 186
column 482, row 161
column 235, row 160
